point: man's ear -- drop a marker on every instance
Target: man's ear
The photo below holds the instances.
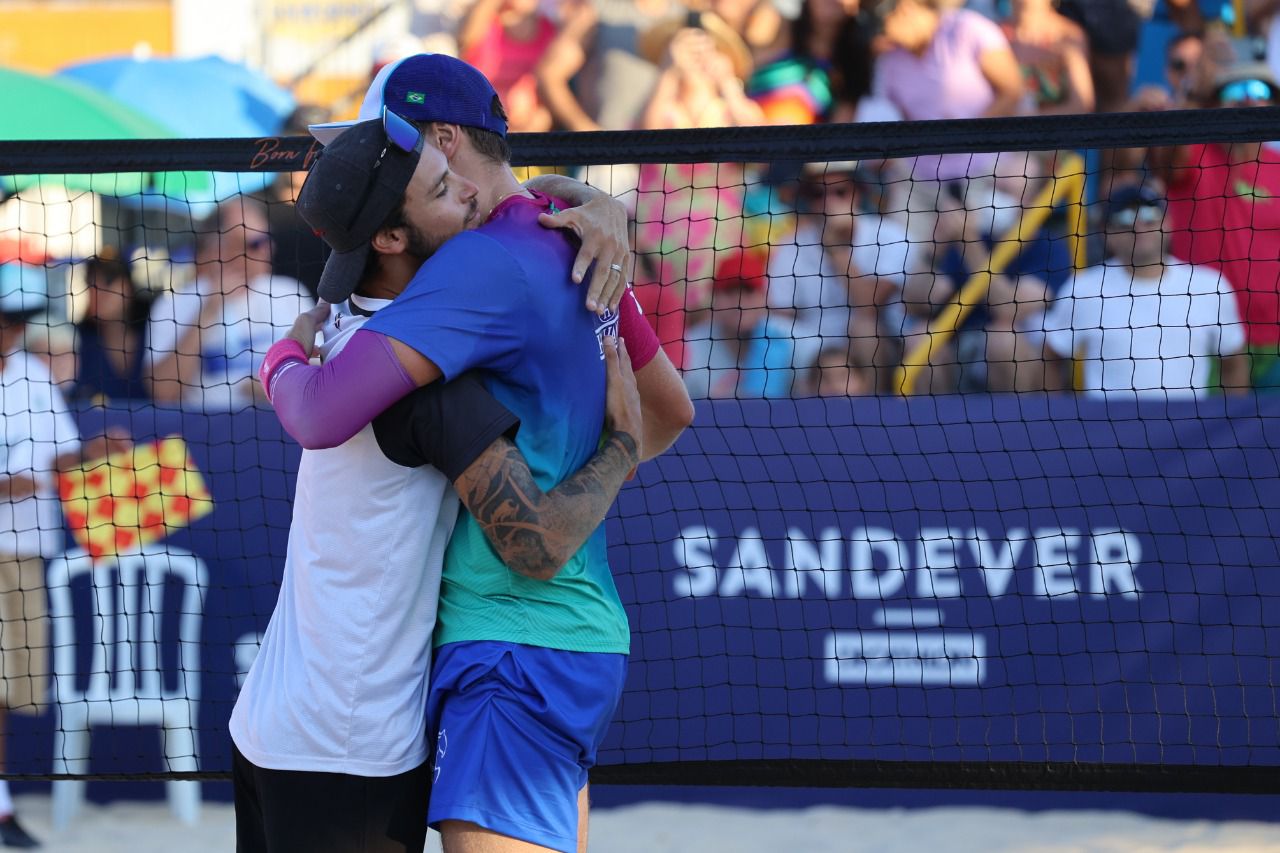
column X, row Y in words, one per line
column 446, row 137
column 390, row 241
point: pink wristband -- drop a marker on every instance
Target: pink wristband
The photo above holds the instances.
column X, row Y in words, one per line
column 642, row 342
column 281, row 352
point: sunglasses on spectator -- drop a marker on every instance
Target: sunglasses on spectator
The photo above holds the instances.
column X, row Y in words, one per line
column 258, row 241
column 817, row 192
column 1145, row 214
column 1246, row 91
column 1178, row 64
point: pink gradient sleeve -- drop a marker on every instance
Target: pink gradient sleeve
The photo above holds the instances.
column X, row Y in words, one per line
column 642, row 342
column 324, row 406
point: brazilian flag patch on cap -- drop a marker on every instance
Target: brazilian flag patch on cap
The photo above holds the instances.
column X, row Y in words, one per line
column 415, row 98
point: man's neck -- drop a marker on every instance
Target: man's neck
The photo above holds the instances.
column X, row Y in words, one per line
column 393, row 276
column 1145, row 271
column 496, row 183
column 839, row 258
column 379, row 290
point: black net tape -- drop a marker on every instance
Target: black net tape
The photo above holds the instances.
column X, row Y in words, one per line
column 974, row 497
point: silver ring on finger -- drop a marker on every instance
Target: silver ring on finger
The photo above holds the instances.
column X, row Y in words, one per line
column 616, row 268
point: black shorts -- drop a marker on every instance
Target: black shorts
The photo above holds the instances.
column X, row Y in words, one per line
column 281, row 811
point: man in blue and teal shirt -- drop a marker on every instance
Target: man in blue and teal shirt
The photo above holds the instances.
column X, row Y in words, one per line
column 528, row 670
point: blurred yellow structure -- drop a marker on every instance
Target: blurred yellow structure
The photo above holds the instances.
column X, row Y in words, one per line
column 45, row 36
column 318, row 48
column 304, row 37
column 1065, row 189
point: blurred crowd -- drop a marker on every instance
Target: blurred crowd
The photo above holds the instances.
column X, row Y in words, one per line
column 778, row 280
column 953, row 273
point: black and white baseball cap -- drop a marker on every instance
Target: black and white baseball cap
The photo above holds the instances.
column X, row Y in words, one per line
column 356, row 182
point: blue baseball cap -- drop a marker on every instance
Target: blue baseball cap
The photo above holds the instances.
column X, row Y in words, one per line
column 427, row 87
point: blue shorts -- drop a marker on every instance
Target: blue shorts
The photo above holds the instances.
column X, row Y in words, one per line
column 517, row 728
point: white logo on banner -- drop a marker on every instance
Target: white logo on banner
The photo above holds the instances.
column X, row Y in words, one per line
column 873, row 564
column 911, row 578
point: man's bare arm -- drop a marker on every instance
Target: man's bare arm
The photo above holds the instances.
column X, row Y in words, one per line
column 564, row 58
column 664, row 399
column 1235, row 373
column 94, row 449
column 422, row 370
column 169, row 373
column 1256, row 12
column 535, row 532
column 17, row 487
column 1058, row 370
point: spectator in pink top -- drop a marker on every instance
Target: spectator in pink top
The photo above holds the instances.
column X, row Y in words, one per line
column 505, row 40
column 689, row 215
column 946, row 64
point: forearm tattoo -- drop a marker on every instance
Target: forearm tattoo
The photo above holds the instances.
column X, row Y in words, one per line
column 535, row 533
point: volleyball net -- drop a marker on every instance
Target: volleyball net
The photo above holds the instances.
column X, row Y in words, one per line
column 982, row 489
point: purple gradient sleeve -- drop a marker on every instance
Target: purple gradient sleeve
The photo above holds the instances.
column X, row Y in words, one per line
column 324, row 406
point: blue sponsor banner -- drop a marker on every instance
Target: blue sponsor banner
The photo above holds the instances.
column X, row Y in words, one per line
column 1032, row 578
column 982, row 578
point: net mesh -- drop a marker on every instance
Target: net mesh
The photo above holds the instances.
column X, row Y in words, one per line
column 981, row 489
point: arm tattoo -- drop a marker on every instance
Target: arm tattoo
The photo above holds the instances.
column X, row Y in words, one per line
column 535, row 533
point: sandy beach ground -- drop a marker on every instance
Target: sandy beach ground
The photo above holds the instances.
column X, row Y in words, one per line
column 134, row 827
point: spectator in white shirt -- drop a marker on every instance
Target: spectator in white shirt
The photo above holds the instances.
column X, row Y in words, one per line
column 37, row 436
column 1144, row 324
column 207, row 343
column 838, row 285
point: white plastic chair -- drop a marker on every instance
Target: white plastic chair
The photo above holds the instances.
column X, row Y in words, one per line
column 125, row 683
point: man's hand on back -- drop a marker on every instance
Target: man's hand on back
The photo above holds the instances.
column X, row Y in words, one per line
column 600, row 222
column 622, row 413
column 308, row 325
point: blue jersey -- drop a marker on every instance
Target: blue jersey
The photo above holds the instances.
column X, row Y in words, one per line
column 501, row 299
